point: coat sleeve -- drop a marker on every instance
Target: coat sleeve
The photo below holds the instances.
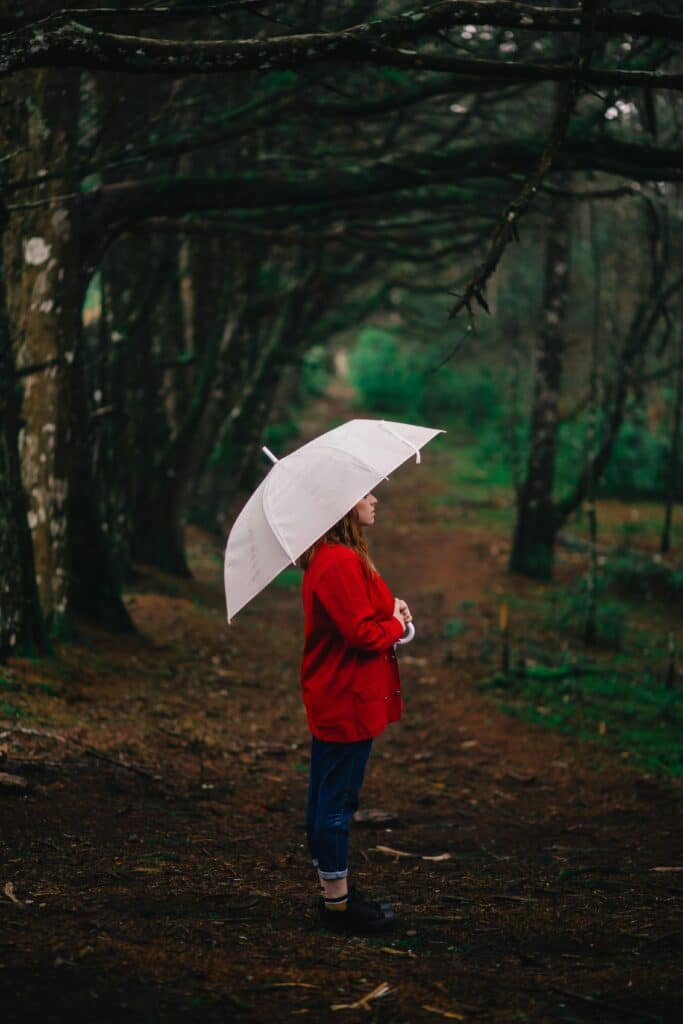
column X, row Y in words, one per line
column 343, row 593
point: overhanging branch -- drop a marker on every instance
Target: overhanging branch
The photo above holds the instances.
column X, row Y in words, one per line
column 59, row 41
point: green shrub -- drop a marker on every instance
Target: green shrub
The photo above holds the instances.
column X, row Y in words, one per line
column 568, row 614
column 397, row 378
column 382, row 375
column 638, row 463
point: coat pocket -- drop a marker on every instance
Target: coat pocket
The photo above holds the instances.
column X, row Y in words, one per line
column 371, row 705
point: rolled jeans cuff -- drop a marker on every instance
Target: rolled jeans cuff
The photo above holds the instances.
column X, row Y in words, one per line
column 330, row 876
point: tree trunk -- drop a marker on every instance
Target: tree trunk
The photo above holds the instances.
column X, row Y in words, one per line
column 157, row 536
column 43, row 295
column 537, row 523
column 96, row 578
column 675, row 449
column 21, row 623
column 590, row 629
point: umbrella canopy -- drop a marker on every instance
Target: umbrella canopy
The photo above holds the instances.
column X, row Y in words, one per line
column 306, row 493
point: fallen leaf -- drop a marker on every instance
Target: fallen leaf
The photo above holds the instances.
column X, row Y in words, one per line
column 9, row 893
column 13, row 781
column 519, row 777
column 667, row 869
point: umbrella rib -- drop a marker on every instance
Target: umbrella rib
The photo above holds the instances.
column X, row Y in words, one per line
column 357, row 458
column 276, row 533
column 399, row 437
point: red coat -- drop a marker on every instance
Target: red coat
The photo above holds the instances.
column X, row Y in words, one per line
column 349, row 673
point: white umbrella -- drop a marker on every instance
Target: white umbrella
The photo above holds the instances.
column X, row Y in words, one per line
column 306, row 493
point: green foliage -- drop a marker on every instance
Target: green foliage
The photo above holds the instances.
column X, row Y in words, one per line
column 633, row 576
column 288, row 579
column 638, row 464
column 453, row 628
column 635, row 715
column 567, row 614
column 314, row 375
column 9, row 711
column 395, row 378
column 13, row 686
column 276, row 435
column 383, row 375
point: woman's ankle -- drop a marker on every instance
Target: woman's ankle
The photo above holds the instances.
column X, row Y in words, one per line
column 334, row 887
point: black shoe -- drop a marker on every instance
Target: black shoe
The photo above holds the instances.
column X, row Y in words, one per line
column 362, row 916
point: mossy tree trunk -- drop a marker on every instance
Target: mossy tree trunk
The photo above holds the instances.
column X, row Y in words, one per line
column 43, row 293
column 21, row 622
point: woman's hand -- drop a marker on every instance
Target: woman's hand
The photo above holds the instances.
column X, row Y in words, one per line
column 402, row 611
column 405, row 612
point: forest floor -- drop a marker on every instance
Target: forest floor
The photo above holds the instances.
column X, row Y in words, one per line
column 154, row 869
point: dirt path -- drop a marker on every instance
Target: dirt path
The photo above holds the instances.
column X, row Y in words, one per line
column 182, row 891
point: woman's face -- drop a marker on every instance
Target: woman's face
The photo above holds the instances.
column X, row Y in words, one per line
column 365, row 510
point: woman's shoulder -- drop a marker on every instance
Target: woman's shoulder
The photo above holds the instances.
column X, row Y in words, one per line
column 331, row 557
column 331, row 553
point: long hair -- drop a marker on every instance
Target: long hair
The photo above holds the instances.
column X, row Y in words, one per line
column 347, row 531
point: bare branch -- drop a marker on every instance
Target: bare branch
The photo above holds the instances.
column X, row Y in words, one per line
column 59, row 41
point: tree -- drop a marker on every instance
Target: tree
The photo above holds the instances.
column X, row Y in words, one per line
column 537, row 522
column 21, row 621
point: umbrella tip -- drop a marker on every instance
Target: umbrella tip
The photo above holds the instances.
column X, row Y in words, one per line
column 273, row 458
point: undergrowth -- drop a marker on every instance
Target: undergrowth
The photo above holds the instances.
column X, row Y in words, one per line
column 634, row 714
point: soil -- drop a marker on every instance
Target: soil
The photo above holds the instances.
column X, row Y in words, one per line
column 155, row 869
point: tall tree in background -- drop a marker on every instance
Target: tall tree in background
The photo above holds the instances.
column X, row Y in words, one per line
column 536, row 524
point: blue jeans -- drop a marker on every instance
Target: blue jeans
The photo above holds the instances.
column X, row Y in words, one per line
column 336, row 777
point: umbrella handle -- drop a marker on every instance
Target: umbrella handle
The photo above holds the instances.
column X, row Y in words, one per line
column 408, row 635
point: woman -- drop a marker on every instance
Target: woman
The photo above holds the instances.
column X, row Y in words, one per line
column 351, row 691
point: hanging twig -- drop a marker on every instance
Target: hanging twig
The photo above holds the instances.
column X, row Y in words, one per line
column 506, row 229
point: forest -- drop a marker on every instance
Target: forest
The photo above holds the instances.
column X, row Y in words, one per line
column 240, row 223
